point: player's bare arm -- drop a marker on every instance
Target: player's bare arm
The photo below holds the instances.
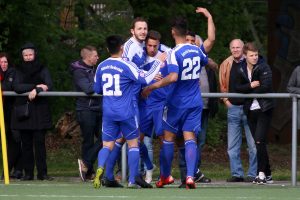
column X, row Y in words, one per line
column 211, row 30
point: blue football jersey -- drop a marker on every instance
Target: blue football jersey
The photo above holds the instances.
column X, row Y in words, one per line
column 115, row 78
column 157, row 97
column 186, row 60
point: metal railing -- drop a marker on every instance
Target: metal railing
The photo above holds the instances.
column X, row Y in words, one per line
column 294, row 98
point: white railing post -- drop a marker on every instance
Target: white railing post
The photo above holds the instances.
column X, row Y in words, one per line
column 124, row 163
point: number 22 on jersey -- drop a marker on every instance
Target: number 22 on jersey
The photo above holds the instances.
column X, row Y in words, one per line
column 112, row 85
column 191, row 67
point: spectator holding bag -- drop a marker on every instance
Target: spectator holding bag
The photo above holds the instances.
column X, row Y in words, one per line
column 31, row 114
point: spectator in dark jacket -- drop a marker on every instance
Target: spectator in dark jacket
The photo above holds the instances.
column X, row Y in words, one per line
column 89, row 110
column 255, row 76
column 13, row 139
column 294, row 87
column 32, row 77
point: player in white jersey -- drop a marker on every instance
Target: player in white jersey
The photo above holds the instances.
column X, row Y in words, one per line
column 134, row 47
column 115, row 78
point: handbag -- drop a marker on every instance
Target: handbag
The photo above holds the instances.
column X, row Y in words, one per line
column 22, row 111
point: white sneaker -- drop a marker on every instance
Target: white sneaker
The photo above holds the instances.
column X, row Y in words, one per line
column 149, row 174
column 82, row 169
column 261, row 175
column 261, row 178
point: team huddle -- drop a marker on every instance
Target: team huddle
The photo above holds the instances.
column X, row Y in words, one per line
column 146, row 86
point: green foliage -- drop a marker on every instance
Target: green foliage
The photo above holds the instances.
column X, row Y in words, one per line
column 39, row 22
column 230, row 21
column 229, row 18
column 42, row 23
column 216, row 131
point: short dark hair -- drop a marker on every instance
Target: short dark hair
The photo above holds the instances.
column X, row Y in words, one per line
column 250, row 46
column 3, row 54
column 87, row 50
column 137, row 19
column 8, row 57
column 179, row 24
column 114, row 43
column 154, row 35
column 191, row 33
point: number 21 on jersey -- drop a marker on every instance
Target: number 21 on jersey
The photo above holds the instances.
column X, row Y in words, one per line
column 112, row 85
column 191, row 68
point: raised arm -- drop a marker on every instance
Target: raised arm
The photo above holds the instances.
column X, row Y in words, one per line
column 211, row 30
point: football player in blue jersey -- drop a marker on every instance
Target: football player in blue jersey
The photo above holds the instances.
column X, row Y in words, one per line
column 208, row 83
column 115, row 79
column 134, row 52
column 184, row 104
column 205, row 46
column 151, row 109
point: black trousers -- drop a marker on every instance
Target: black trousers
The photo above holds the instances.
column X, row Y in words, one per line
column 14, row 150
column 91, row 126
column 34, row 152
column 259, row 124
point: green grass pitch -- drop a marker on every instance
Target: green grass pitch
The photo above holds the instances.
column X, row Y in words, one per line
column 65, row 190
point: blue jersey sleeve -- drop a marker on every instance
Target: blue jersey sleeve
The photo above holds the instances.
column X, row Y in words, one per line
column 204, row 58
column 141, row 76
column 163, row 48
column 97, row 82
column 202, row 49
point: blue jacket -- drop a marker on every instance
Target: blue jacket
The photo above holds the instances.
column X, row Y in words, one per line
column 83, row 80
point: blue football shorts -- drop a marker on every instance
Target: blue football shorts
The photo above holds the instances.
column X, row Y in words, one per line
column 136, row 109
column 178, row 120
column 151, row 118
column 111, row 129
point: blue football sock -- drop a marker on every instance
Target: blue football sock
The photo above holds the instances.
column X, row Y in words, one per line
column 133, row 163
column 182, row 163
column 190, row 157
column 168, row 154
column 145, row 156
column 162, row 162
column 111, row 161
column 102, row 156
